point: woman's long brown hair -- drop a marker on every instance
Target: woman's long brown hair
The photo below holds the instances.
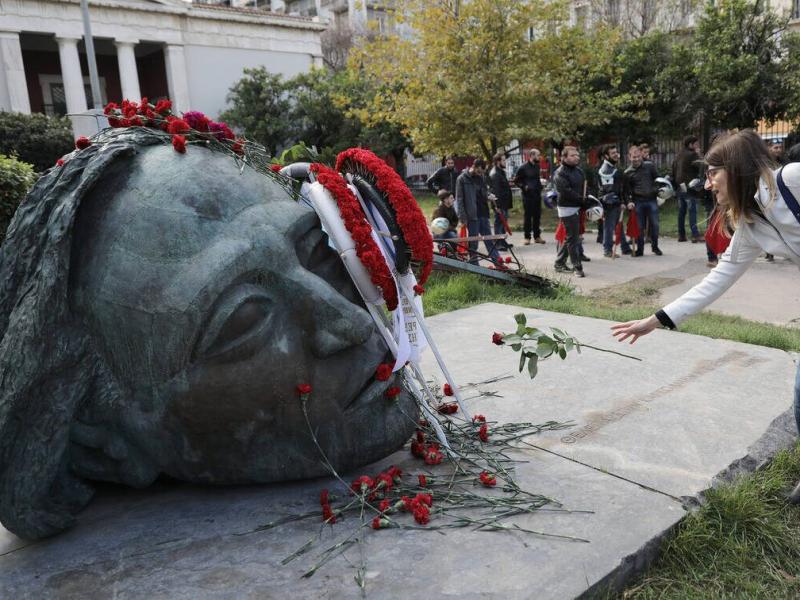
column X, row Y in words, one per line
column 745, row 158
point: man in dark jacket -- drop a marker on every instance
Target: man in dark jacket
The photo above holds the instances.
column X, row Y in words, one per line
column 569, row 181
column 610, row 193
column 444, row 178
column 685, row 168
column 639, row 185
column 498, row 183
column 529, row 180
column 472, row 206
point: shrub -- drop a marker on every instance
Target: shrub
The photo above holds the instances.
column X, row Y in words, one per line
column 16, row 178
column 36, row 139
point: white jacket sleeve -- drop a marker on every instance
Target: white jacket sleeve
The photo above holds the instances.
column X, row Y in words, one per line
column 741, row 253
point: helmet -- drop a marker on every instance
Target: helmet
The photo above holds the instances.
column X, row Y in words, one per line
column 594, row 213
column 440, row 225
column 665, row 190
column 550, row 199
column 696, row 184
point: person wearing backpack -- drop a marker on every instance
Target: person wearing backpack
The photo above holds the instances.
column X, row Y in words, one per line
column 761, row 205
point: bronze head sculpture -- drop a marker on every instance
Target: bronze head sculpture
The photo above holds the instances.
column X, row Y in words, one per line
column 157, row 311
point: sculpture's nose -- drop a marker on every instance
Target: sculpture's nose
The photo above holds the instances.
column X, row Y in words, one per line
column 337, row 324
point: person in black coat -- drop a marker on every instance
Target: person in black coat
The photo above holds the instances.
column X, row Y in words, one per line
column 529, row 180
column 444, row 178
column 501, row 188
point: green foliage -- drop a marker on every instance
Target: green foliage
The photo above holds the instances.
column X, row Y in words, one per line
column 36, row 139
column 534, row 344
column 16, row 178
column 472, row 81
column 741, row 65
column 260, row 108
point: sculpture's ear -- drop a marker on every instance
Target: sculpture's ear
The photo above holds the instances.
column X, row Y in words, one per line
column 47, row 367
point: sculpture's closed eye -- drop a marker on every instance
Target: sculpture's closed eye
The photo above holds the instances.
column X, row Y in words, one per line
column 238, row 328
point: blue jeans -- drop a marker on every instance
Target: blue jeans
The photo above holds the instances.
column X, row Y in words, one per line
column 480, row 226
column 687, row 202
column 647, row 210
column 610, row 219
column 797, row 397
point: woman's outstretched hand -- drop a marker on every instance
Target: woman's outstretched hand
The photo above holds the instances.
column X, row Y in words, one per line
column 634, row 329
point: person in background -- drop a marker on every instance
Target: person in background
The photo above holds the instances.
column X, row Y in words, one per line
column 498, row 183
column 472, row 207
column 446, row 210
column 610, row 193
column 639, row 184
column 444, row 178
column 569, row 182
column 685, row 168
column 528, row 180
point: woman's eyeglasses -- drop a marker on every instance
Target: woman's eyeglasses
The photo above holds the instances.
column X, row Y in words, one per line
column 711, row 170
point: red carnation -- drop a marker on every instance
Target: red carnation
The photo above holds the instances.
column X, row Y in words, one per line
column 275, row 168
column 395, row 473
column 483, row 433
column 327, row 514
column 487, row 479
column 424, row 499
column 179, row 143
column 362, row 484
column 384, row 481
column 323, row 497
column 110, row 107
column 383, row 372
column 384, row 505
column 508, row 259
column 60, row 162
column 419, row 290
column 497, row 338
column 423, row 481
column 421, row 514
column 448, row 391
column 433, row 456
column 392, row 392
column 163, row 107
column 418, row 449
column 303, row 389
column 420, row 436
column 448, row 408
column 376, row 523
column 479, row 419
column 443, row 251
column 82, row 142
column 237, row 147
column 176, row 125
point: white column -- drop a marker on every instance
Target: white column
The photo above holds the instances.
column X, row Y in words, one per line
column 74, row 91
column 177, row 80
column 128, row 74
column 16, row 88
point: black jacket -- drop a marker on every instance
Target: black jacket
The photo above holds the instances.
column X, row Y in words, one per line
column 686, row 167
column 498, row 181
column 640, row 182
column 569, row 185
column 443, row 179
column 609, row 184
column 471, row 197
column 528, row 179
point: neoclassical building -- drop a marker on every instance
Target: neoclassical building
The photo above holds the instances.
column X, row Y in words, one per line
column 192, row 53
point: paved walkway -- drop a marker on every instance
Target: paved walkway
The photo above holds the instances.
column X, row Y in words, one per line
column 767, row 292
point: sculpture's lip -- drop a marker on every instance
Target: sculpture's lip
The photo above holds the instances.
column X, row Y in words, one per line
column 372, row 390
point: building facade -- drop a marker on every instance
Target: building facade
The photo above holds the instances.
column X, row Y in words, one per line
column 191, row 53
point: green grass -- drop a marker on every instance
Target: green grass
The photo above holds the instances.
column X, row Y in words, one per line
column 635, row 300
column 743, row 542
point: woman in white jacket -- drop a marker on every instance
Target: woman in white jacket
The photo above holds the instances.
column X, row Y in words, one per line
column 761, row 204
